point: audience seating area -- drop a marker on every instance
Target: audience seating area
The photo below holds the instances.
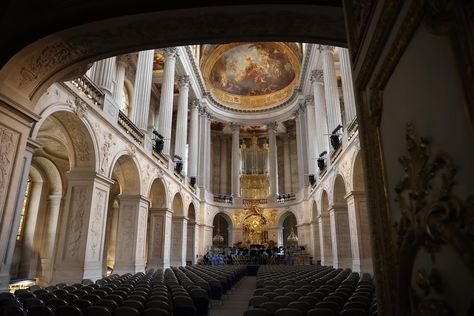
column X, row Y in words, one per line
column 312, row 291
column 183, row 291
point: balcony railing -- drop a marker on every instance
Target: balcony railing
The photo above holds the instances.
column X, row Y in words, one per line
column 130, row 128
column 223, row 199
column 248, row 202
column 86, row 86
column 282, row 198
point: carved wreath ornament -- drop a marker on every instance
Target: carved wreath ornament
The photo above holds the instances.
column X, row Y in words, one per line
column 431, row 215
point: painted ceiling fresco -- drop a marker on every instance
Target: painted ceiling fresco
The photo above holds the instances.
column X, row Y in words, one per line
column 252, row 69
column 251, row 75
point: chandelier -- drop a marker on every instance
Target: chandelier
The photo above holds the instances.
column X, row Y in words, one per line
column 292, row 238
column 218, row 239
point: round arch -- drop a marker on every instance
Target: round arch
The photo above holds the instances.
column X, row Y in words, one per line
column 177, row 205
column 315, row 212
column 125, row 171
column 191, row 212
column 324, row 203
column 158, row 194
column 222, row 223
column 358, row 178
column 289, row 224
column 284, row 215
column 339, row 191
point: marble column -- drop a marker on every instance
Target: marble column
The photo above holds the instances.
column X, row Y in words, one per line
column 311, row 135
column 202, row 148
column 159, row 238
column 208, row 153
column 224, row 171
column 330, row 87
column 272, row 157
column 322, row 137
column 182, row 118
column 299, row 148
column 82, row 229
column 341, row 239
column 287, row 163
column 325, row 239
column 119, row 83
column 166, row 98
column 179, row 229
column 359, row 232
column 142, row 92
column 235, row 160
column 347, row 85
column 103, row 73
column 131, row 234
column 193, row 139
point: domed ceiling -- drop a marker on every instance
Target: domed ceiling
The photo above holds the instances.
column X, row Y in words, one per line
column 249, row 76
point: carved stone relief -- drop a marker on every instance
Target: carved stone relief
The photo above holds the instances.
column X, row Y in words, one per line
column 76, row 220
column 106, row 144
column 97, row 217
column 8, row 144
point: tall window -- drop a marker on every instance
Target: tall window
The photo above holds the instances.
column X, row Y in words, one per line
column 26, row 202
column 125, row 106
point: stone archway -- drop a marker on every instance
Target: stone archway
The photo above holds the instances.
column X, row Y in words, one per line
column 179, row 229
column 191, row 249
column 340, row 231
column 222, row 224
column 288, row 224
column 131, row 223
column 159, row 231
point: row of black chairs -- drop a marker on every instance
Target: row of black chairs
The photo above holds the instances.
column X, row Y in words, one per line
column 312, row 291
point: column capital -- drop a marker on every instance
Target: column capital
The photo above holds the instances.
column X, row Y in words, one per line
column 302, row 107
column 326, row 48
column 195, row 104
column 272, row 126
column 317, row 76
column 309, row 100
column 170, row 52
column 183, row 81
column 234, row 127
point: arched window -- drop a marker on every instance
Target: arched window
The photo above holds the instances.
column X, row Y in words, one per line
column 125, row 106
column 26, row 202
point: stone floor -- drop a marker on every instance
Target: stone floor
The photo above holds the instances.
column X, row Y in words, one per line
column 236, row 303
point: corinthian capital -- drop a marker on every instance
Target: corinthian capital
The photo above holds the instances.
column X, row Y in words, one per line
column 272, row 126
column 326, row 48
column 170, row 52
column 183, row 81
column 234, row 127
column 317, row 76
column 309, row 100
column 195, row 104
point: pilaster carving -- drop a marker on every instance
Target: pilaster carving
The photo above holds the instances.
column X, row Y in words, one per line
column 96, row 224
column 79, row 107
column 106, row 143
column 8, row 144
column 431, row 215
column 76, row 220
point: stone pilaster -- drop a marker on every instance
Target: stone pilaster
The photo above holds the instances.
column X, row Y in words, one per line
column 341, row 240
column 193, row 139
column 287, row 164
column 299, row 148
column 159, row 238
column 131, row 234
column 166, row 98
column 224, row 171
column 192, row 235
column 179, row 229
column 119, row 83
column 325, row 239
column 103, row 74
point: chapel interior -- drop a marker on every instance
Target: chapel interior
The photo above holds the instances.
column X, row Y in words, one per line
column 280, row 158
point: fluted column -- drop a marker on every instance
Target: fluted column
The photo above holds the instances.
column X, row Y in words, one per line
column 347, row 85
column 182, row 119
column 235, row 160
column 311, row 135
column 142, row 91
column 330, row 87
column 166, row 98
column 287, row 163
column 224, row 172
column 299, row 149
column 103, row 74
column 272, row 128
column 202, row 147
column 208, row 152
column 193, row 139
column 322, row 138
column 119, row 82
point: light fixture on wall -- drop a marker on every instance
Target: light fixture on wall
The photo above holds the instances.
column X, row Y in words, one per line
column 218, row 239
column 292, row 238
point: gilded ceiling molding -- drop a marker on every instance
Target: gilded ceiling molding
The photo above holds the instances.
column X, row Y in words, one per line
column 431, row 216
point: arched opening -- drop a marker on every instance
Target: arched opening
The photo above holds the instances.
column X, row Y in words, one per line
column 340, row 231
column 325, row 231
column 289, row 226
column 222, row 225
column 358, row 216
column 179, row 229
column 159, row 226
column 191, row 242
column 124, row 199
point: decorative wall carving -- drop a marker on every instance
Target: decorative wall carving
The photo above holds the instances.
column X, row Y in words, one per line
column 97, row 218
column 79, row 107
column 8, row 144
column 76, row 220
column 431, row 215
column 106, row 144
